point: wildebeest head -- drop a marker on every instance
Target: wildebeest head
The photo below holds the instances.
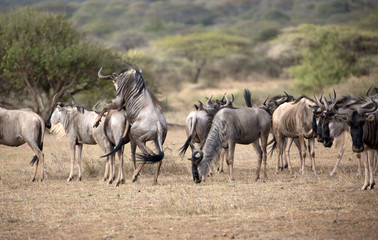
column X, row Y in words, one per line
column 196, row 160
column 356, row 119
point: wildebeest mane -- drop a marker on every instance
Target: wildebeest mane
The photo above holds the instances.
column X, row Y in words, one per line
column 131, row 88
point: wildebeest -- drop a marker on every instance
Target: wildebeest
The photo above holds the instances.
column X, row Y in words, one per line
column 18, row 127
column 233, row 126
column 144, row 113
column 294, row 120
column 363, row 122
column 328, row 129
column 77, row 123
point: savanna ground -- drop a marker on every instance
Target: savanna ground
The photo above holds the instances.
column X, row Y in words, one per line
column 284, row 206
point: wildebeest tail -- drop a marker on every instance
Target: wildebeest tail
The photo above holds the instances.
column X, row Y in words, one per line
column 40, row 140
column 150, row 158
column 116, row 149
column 247, row 98
column 274, row 142
column 185, row 146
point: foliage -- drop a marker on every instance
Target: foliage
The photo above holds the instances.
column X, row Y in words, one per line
column 42, row 54
column 202, row 48
column 330, row 54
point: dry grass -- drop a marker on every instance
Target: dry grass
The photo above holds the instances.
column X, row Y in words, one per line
column 284, row 206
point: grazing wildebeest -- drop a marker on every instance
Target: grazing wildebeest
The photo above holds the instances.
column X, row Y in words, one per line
column 294, row 120
column 363, row 122
column 144, row 114
column 77, row 123
column 18, row 127
column 233, row 126
column 328, row 129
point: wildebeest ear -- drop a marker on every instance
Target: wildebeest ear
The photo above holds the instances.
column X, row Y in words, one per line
column 370, row 117
column 195, row 106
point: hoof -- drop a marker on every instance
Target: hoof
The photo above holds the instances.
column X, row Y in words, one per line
column 117, row 184
column 372, row 186
column 79, row 179
column 123, row 181
column 33, row 180
column 69, row 179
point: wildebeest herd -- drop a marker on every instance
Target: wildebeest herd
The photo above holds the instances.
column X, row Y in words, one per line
column 136, row 117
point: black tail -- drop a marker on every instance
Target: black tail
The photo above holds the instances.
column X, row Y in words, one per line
column 273, row 146
column 247, row 98
column 35, row 158
column 186, row 145
column 116, row 149
column 154, row 158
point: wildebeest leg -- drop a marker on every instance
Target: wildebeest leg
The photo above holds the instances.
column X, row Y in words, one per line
column 302, row 153
column 339, row 157
column 279, row 140
column 107, row 166
column 40, row 156
column 256, row 146
column 145, row 150
column 120, row 177
column 289, row 142
column 311, row 148
column 230, row 160
column 73, row 153
column 366, row 166
column 111, row 168
column 359, row 173
column 158, row 166
column 371, row 168
column 133, row 150
column 221, row 160
column 80, row 148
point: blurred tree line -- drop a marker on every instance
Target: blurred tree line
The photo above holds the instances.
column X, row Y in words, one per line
column 58, row 46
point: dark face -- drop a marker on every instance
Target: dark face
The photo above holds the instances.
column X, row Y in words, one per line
column 317, row 125
column 356, row 123
column 325, row 131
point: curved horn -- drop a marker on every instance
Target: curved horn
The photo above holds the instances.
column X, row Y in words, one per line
column 222, row 99
column 334, row 95
column 100, row 76
column 326, row 103
column 95, row 106
column 287, row 95
column 227, row 101
column 367, row 92
column 264, row 103
column 363, row 110
column 318, row 101
column 73, row 100
column 209, row 101
column 140, row 70
column 232, row 98
column 55, row 96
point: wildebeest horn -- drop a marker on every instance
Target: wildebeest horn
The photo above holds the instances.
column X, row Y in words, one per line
column 317, row 100
column 102, row 77
column 365, row 110
column 287, row 95
column 200, row 105
column 334, row 95
column 54, row 98
column 209, row 101
column 264, row 103
column 140, row 70
column 222, row 99
column 73, row 100
column 232, row 98
column 326, row 103
column 95, row 106
column 367, row 92
column 227, row 101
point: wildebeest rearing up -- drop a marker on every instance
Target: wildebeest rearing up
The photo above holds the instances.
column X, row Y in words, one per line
column 18, row 127
column 144, row 113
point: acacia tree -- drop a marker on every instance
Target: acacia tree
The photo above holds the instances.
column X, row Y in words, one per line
column 42, row 54
column 201, row 49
